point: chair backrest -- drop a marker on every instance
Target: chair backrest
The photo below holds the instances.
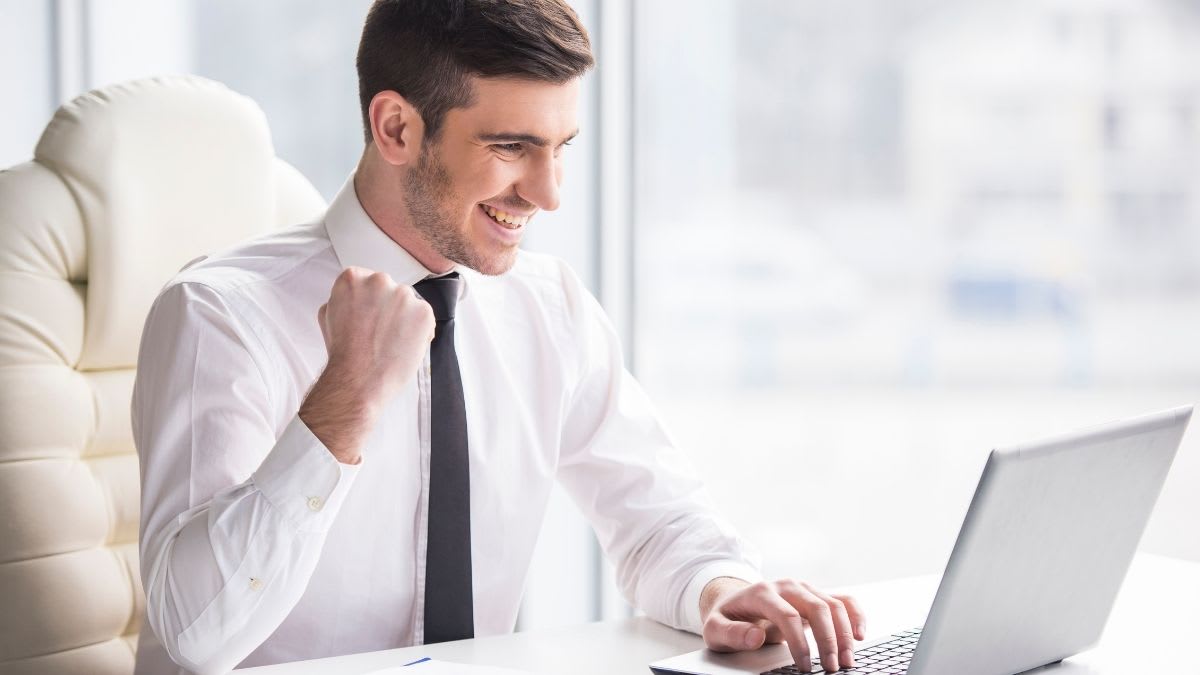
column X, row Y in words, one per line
column 127, row 184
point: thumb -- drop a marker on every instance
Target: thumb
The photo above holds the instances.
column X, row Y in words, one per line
column 722, row 634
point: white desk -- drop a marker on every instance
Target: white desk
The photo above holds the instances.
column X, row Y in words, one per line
column 1157, row 616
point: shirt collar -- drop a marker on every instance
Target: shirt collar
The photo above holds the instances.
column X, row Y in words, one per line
column 358, row 242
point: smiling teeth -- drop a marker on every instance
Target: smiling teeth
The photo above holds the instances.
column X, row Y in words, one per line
column 504, row 217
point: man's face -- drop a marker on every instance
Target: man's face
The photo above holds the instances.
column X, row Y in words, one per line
column 495, row 164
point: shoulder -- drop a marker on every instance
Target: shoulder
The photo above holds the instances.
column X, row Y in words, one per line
column 544, row 291
column 550, row 277
column 269, row 259
column 540, row 288
column 260, row 282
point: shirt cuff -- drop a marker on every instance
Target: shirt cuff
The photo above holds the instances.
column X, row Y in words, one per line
column 303, row 480
column 691, row 594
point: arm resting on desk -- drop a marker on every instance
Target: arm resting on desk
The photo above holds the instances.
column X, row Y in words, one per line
column 650, row 511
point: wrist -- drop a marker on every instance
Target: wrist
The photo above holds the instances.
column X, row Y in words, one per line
column 715, row 590
column 340, row 412
column 357, row 386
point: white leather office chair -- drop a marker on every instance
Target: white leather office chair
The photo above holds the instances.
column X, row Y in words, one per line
column 127, row 184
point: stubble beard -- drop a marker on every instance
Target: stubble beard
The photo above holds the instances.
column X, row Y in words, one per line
column 430, row 199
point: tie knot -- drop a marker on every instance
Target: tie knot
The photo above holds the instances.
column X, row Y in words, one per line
column 441, row 293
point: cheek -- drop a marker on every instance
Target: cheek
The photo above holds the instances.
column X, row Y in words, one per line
column 493, row 179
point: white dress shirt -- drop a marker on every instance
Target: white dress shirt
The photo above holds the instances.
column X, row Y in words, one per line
column 258, row 547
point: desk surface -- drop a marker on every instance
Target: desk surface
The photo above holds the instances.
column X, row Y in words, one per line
column 1157, row 611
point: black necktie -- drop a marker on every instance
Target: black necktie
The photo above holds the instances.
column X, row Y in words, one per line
column 449, row 613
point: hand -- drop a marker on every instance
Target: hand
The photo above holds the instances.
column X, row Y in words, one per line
column 739, row 617
column 376, row 333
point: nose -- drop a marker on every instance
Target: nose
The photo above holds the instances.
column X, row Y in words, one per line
column 540, row 182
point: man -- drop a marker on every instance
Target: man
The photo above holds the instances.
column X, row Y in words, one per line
column 349, row 430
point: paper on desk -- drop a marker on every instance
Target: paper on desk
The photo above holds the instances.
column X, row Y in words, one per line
column 431, row 667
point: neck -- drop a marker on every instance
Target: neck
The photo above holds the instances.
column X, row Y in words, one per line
column 378, row 190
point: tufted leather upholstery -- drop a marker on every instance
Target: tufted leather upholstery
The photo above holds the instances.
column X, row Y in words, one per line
column 128, row 183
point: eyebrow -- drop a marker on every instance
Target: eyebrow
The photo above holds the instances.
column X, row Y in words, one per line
column 515, row 137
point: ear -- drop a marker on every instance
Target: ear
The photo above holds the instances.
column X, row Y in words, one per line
column 396, row 127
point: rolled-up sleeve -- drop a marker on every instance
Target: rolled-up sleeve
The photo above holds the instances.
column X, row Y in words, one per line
column 652, row 514
column 234, row 509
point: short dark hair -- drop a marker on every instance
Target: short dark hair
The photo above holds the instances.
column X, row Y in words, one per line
column 426, row 50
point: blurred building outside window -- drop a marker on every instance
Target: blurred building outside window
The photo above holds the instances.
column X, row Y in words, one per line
column 876, row 239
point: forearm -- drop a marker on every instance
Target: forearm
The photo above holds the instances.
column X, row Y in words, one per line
column 666, row 573
column 341, row 410
column 211, row 599
column 223, row 575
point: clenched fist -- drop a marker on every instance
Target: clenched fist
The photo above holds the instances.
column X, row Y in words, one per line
column 376, row 332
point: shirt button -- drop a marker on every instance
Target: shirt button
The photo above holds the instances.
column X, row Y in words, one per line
column 316, row 503
column 256, row 584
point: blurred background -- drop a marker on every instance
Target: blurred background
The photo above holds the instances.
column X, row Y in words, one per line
column 851, row 246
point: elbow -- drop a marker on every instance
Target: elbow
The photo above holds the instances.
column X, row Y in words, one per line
column 197, row 654
column 211, row 667
column 197, row 659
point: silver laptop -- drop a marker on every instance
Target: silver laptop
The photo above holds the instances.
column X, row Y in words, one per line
column 1042, row 552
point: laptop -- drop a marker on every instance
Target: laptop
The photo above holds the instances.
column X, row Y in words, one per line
column 1041, row 554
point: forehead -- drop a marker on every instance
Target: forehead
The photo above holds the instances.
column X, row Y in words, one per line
column 544, row 109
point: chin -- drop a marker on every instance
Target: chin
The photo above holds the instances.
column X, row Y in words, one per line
column 491, row 265
column 498, row 265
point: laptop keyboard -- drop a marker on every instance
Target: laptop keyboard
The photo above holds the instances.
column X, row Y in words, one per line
column 890, row 657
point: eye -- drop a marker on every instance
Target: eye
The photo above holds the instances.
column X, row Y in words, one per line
column 508, row 148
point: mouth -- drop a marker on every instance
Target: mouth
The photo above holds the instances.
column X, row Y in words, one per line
column 504, row 219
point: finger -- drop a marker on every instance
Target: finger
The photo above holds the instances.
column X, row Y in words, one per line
column 820, row 618
column 349, row 275
column 722, row 634
column 380, row 279
column 774, row 635
column 842, row 627
column 769, row 604
column 857, row 618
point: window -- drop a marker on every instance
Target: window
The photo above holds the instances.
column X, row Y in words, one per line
column 876, row 239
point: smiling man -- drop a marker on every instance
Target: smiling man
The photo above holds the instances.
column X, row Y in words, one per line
column 349, row 430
